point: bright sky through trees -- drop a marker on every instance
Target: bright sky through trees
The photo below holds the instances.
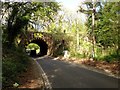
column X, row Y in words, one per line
column 72, row 6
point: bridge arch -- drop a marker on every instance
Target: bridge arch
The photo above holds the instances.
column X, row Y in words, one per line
column 42, row 39
column 43, row 46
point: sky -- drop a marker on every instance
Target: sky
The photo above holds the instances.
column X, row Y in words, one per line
column 72, row 6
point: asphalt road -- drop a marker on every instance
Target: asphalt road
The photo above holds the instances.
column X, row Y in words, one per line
column 65, row 75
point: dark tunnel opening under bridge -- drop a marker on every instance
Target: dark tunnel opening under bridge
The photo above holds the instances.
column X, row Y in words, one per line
column 43, row 48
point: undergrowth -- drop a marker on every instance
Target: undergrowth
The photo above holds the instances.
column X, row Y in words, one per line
column 14, row 62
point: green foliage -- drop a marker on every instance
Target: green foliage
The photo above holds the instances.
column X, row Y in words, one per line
column 14, row 62
column 106, row 30
column 107, row 26
column 112, row 57
column 33, row 46
column 78, row 55
column 61, row 43
column 18, row 15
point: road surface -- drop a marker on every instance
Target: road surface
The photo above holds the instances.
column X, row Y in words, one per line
column 64, row 75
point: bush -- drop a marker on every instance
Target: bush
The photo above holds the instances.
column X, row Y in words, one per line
column 112, row 57
column 14, row 62
column 78, row 55
column 108, row 54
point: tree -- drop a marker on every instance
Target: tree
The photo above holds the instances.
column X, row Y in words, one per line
column 106, row 29
column 19, row 14
column 108, row 26
column 91, row 13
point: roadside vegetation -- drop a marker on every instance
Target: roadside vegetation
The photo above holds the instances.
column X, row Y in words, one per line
column 83, row 40
column 105, row 34
column 14, row 62
column 95, row 45
column 17, row 19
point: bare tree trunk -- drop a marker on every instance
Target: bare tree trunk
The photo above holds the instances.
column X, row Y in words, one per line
column 93, row 37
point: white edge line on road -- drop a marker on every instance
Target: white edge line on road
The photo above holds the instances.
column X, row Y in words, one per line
column 46, row 81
